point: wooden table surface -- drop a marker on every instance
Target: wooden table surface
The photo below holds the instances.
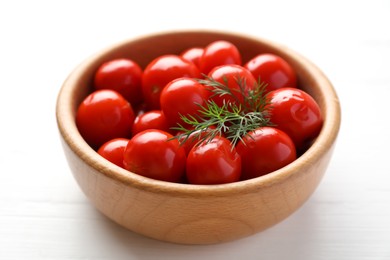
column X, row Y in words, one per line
column 43, row 213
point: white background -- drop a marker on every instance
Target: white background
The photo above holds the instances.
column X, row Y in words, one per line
column 43, row 213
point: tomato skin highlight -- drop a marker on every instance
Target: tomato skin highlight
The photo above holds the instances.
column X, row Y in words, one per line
column 154, row 154
column 296, row 113
column 219, row 53
column 153, row 119
column 123, row 76
column 273, row 70
column 113, row 150
column 182, row 97
column 213, row 162
column 193, row 55
column 265, row 150
column 160, row 72
column 104, row 115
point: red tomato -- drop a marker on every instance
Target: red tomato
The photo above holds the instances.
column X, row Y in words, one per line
column 296, row 113
column 160, row 72
column 154, row 154
column 273, row 70
column 213, row 162
column 122, row 75
column 113, row 150
column 154, row 119
column 234, row 76
column 193, row 55
column 193, row 139
column 219, row 53
column 182, row 97
column 104, row 115
column 265, row 150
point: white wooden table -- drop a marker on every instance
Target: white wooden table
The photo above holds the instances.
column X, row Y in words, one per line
column 43, row 213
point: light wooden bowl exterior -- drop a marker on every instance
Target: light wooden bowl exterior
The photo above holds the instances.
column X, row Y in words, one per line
column 194, row 214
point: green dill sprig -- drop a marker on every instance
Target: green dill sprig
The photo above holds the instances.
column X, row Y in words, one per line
column 232, row 119
column 252, row 99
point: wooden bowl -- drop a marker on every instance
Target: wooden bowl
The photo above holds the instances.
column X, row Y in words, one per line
column 195, row 214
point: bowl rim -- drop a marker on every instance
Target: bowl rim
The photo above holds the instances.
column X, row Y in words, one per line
column 72, row 138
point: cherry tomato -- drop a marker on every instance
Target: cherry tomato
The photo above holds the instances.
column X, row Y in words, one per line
column 214, row 162
column 182, row 97
column 160, row 72
column 154, row 119
column 273, row 70
column 235, row 77
column 113, row 150
column 296, row 113
column 219, row 53
column 154, row 154
column 122, row 75
column 193, row 138
column 104, row 115
column 265, row 150
column 193, row 55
